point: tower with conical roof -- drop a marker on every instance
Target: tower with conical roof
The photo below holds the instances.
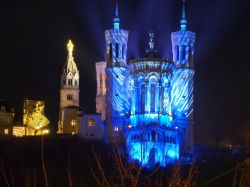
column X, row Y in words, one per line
column 69, row 92
column 117, row 101
column 182, row 82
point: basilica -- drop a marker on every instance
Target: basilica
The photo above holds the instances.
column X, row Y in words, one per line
column 146, row 101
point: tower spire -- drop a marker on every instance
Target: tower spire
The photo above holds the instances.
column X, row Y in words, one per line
column 183, row 21
column 116, row 19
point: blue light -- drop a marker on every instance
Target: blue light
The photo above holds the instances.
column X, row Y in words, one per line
column 151, row 99
column 116, row 24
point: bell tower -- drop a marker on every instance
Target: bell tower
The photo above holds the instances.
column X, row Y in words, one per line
column 117, row 104
column 69, row 93
column 182, row 82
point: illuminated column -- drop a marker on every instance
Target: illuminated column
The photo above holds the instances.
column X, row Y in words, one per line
column 133, row 100
column 169, row 102
column 147, row 95
column 101, row 89
column 157, row 97
column 180, row 55
column 187, row 55
column 161, row 98
column 165, row 99
column 137, row 98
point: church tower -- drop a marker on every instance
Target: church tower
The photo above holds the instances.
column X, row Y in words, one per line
column 182, row 82
column 69, row 92
column 117, row 101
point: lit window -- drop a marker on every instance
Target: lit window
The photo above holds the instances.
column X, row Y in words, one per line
column 73, row 126
column 116, row 129
column 91, row 122
column 18, row 131
column 6, row 131
column 69, row 97
column 73, row 122
column 100, row 81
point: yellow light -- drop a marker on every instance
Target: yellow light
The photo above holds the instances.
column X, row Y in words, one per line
column 46, row 131
column 70, row 47
column 73, row 122
column 18, row 131
column 34, row 117
column 116, row 129
column 91, row 122
column 6, row 131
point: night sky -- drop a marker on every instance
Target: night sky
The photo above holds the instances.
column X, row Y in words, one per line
column 34, row 34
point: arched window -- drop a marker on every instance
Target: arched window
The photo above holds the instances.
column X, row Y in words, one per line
column 153, row 135
column 152, row 99
column 110, row 51
column 69, row 82
column 75, row 82
column 117, row 50
column 177, row 52
column 100, row 78
column 123, row 51
column 143, row 98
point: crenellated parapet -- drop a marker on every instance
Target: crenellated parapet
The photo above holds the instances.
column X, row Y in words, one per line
column 116, row 46
column 183, row 48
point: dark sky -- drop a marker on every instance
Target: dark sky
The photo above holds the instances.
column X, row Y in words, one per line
column 33, row 36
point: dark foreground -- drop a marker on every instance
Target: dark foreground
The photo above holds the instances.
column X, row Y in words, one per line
column 71, row 161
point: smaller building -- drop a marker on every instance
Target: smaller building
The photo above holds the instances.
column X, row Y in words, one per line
column 71, row 118
column 6, row 118
column 92, row 127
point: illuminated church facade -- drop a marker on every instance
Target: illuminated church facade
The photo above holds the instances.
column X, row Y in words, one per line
column 148, row 100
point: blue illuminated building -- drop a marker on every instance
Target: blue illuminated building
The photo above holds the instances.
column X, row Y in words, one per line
column 149, row 101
